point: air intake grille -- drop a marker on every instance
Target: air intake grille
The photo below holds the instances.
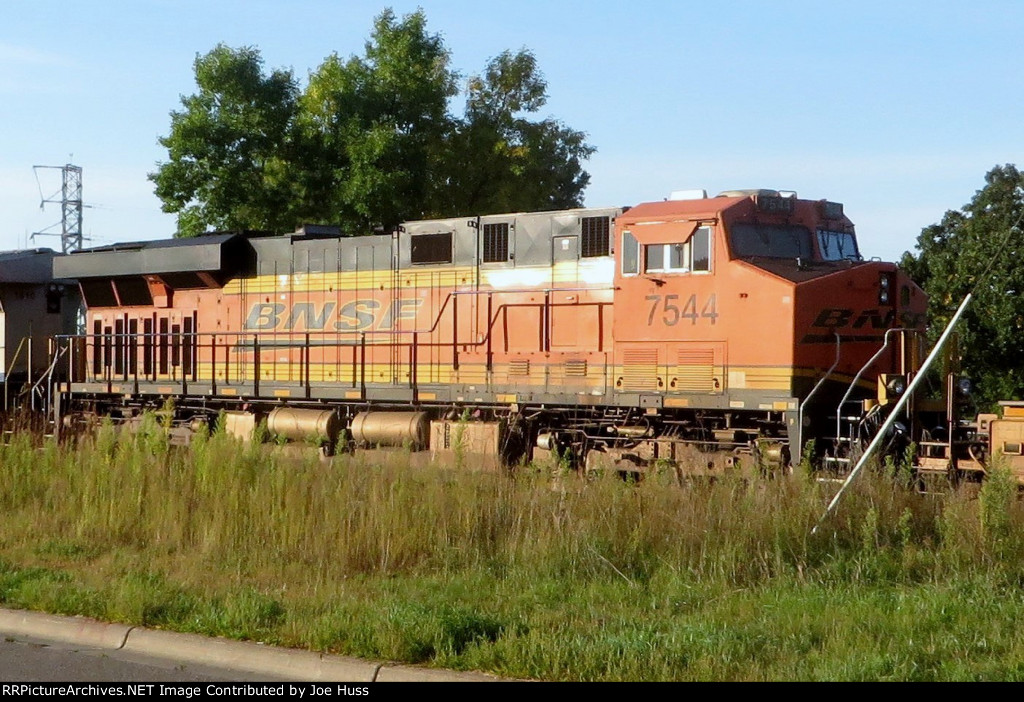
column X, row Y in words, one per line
column 519, row 366
column 695, row 371
column 595, row 236
column 640, row 369
column 576, row 369
column 495, row 243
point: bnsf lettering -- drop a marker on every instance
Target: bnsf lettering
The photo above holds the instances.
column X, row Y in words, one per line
column 353, row 316
column 867, row 320
column 832, row 318
column 306, row 311
column 264, row 316
column 877, row 320
column 399, row 309
column 357, row 315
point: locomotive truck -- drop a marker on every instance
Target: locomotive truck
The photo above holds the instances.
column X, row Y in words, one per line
column 742, row 325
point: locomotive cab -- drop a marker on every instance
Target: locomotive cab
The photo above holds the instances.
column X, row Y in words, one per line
column 732, row 312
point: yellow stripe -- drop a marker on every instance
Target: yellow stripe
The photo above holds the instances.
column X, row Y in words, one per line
column 541, row 376
column 539, row 277
column 350, row 280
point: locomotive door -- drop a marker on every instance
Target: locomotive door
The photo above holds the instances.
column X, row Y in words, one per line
column 563, row 328
column 565, row 248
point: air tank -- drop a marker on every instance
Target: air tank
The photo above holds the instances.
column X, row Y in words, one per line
column 303, row 424
column 392, row 429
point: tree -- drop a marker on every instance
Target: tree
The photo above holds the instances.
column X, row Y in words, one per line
column 377, row 125
column 500, row 160
column 370, row 141
column 229, row 148
column 976, row 249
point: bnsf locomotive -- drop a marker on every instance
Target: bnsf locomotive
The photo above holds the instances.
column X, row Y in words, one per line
column 747, row 323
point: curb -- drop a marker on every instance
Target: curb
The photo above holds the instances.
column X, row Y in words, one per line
column 74, row 630
column 245, row 656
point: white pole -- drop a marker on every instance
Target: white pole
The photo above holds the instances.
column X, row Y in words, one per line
column 895, row 411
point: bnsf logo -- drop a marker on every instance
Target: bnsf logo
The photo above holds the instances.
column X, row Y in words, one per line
column 871, row 321
column 837, row 318
column 356, row 315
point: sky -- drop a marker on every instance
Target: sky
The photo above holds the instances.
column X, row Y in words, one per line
column 896, row 109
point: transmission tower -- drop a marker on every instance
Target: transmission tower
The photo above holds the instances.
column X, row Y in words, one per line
column 71, row 207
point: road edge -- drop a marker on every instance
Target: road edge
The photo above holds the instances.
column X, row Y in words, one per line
column 245, row 656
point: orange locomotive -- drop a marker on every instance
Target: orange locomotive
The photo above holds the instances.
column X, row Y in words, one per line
column 618, row 336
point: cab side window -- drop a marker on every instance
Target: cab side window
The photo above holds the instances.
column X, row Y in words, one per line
column 630, row 254
column 693, row 255
column 700, row 245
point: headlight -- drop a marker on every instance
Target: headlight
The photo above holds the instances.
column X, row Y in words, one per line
column 964, row 386
column 890, row 387
column 896, row 385
column 884, row 288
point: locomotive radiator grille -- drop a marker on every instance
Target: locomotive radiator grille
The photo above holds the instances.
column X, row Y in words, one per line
column 695, row 370
column 519, row 366
column 640, row 369
column 576, row 369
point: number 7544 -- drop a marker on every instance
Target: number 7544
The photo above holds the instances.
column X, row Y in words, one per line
column 668, row 310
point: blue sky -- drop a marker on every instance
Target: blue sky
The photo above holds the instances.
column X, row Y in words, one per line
column 897, row 109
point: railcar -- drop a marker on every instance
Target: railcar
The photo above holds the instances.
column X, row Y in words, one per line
column 744, row 324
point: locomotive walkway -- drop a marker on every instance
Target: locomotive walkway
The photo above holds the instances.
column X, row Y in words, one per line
column 244, row 657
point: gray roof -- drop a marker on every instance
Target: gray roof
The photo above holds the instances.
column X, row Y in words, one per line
column 27, row 266
column 207, row 253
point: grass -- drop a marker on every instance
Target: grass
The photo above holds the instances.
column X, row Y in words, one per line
column 536, row 575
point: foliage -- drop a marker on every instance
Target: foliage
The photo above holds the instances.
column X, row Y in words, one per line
column 370, row 141
column 503, row 162
column 228, row 150
column 522, row 575
column 976, row 249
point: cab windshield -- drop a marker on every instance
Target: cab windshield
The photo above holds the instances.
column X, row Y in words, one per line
column 771, row 241
column 838, row 246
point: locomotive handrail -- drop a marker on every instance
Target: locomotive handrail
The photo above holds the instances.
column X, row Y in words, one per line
column 123, row 352
column 856, row 378
column 10, row 368
column 800, row 415
column 47, row 375
column 869, row 451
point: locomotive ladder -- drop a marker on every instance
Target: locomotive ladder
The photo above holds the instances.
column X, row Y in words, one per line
column 849, row 418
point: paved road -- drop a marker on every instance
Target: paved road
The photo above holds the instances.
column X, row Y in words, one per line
column 36, row 660
column 37, row 647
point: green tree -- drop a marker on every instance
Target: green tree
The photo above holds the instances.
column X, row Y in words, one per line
column 977, row 249
column 375, row 126
column 230, row 147
column 370, row 141
column 501, row 160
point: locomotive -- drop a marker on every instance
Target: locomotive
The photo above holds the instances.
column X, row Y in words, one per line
column 739, row 326
column 34, row 309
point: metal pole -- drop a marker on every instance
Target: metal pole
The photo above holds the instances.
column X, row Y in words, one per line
column 873, row 446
